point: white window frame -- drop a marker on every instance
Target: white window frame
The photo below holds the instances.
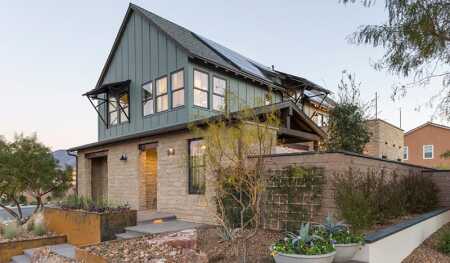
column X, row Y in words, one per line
column 177, row 89
column 405, row 148
column 205, row 91
column 432, row 151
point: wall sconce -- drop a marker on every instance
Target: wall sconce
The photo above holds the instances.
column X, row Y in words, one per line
column 124, row 157
column 170, row 151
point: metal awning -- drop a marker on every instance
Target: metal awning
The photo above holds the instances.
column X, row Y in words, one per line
column 115, row 87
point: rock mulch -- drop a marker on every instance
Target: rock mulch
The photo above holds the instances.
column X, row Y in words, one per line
column 168, row 248
column 427, row 252
column 46, row 256
column 221, row 251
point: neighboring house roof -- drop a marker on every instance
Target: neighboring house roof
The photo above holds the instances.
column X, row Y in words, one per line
column 428, row 124
column 319, row 98
column 64, row 159
column 207, row 50
column 312, row 131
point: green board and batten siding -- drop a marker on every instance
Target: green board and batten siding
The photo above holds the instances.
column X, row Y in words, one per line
column 144, row 54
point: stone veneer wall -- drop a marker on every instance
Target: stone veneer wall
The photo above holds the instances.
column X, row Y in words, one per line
column 331, row 164
column 125, row 177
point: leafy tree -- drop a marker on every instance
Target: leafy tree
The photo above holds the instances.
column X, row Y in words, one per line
column 239, row 181
column 416, row 38
column 347, row 127
column 27, row 166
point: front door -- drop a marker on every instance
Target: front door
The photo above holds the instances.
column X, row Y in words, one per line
column 99, row 179
column 149, row 179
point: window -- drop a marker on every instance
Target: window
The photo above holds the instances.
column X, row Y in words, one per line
column 428, row 152
column 118, row 108
column 219, row 88
column 268, row 99
column 177, row 81
column 162, row 99
column 147, row 99
column 405, row 153
column 197, row 166
column 201, row 90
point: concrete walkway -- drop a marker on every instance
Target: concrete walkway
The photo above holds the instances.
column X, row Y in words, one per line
column 65, row 250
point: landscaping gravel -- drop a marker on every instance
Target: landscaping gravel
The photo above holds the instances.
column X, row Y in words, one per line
column 427, row 252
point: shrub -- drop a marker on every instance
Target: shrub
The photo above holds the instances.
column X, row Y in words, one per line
column 444, row 243
column 11, row 230
column 364, row 199
column 74, row 202
column 39, row 229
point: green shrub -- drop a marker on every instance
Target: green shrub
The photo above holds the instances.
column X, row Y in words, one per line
column 364, row 199
column 75, row 202
column 30, row 225
column 39, row 229
column 11, row 230
column 22, row 200
column 444, row 243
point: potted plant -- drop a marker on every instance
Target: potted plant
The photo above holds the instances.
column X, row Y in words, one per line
column 304, row 247
column 345, row 242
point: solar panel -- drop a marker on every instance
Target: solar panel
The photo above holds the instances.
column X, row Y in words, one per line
column 316, row 97
column 242, row 62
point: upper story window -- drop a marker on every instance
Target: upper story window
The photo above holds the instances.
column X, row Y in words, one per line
column 219, row 88
column 201, row 89
column 118, row 108
column 428, row 152
column 147, row 99
column 197, row 166
column 405, row 153
column 177, row 81
column 268, row 99
column 162, row 98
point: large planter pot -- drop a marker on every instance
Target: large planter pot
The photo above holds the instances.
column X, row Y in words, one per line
column 86, row 228
column 345, row 252
column 294, row 258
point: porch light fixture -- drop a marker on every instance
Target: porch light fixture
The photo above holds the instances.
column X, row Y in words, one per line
column 124, row 157
column 170, row 151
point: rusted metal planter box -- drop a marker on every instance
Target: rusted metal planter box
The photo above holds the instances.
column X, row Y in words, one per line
column 87, row 228
column 10, row 249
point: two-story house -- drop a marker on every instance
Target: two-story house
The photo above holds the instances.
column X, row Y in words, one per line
column 158, row 79
column 425, row 144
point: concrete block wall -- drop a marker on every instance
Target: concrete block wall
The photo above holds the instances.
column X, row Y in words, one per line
column 336, row 163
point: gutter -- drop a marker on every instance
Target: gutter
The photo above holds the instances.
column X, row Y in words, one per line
column 74, row 154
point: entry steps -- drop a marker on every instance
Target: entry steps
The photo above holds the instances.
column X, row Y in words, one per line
column 157, row 223
column 65, row 250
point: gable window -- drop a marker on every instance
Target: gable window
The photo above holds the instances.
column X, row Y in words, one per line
column 405, row 153
column 219, row 88
column 162, row 98
column 147, row 99
column 201, row 90
column 177, row 81
column 118, row 108
column 428, row 152
column 197, row 166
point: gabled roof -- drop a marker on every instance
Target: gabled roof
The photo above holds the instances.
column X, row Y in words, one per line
column 199, row 47
column 429, row 123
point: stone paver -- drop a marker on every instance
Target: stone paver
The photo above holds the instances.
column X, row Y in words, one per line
column 168, row 226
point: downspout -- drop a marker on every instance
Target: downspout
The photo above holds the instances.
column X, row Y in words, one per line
column 76, row 169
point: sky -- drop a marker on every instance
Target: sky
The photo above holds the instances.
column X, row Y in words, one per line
column 53, row 51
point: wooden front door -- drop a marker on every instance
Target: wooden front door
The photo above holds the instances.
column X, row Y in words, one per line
column 149, row 174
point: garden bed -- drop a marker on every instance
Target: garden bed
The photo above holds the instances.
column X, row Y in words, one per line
column 169, row 248
column 428, row 251
column 85, row 228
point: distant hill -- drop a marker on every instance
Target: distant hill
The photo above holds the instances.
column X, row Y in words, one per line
column 64, row 159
